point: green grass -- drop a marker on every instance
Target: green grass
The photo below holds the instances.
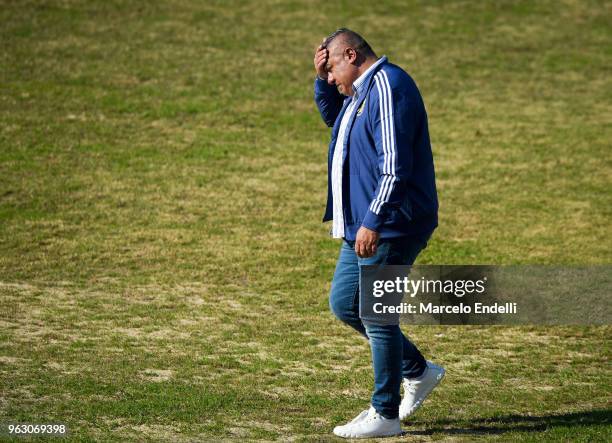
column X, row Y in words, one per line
column 163, row 269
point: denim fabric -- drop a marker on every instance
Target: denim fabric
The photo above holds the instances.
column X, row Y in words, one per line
column 393, row 355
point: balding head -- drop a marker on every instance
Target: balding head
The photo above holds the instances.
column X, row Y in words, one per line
column 344, row 37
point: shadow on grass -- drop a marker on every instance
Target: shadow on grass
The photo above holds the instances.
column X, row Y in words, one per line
column 514, row 423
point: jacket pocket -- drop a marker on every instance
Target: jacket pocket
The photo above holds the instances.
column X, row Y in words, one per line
column 398, row 216
column 406, row 209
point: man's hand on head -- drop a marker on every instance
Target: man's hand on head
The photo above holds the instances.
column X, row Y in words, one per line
column 366, row 242
column 320, row 60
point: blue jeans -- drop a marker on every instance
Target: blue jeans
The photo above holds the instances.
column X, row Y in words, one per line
column 393, row 355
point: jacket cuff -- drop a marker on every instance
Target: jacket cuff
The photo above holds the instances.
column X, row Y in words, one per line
column 373, row 221
column 322, row 87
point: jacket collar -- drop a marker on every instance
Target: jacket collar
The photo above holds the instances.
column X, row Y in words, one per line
column 361, row 84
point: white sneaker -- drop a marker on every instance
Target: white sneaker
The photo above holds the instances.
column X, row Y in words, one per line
column 369, row 423
column 416, row 390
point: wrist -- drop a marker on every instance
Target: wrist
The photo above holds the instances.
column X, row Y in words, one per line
column 372, row 221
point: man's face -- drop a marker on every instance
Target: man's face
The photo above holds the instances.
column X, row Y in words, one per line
column 340, row 71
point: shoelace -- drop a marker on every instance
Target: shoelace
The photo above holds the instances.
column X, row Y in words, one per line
column 375, row 416
column 410, row 386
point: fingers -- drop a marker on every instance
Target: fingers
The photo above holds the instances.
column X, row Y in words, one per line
column 364, row 249
column 321, row 52
column 366, row 243
column 320, row 58
column 369, row 249
column 359, row 250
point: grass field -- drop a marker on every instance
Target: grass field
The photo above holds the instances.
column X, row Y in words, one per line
column 163, row 269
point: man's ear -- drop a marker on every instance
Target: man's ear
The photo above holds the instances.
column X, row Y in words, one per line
column 350, row 55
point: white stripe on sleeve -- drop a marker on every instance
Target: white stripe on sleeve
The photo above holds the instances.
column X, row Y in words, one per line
column 388, row 140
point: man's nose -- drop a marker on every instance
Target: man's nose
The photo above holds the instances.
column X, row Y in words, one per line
column 330, row 79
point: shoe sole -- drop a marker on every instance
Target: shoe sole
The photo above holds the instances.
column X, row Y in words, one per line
column 424, row 397
column 392, row 434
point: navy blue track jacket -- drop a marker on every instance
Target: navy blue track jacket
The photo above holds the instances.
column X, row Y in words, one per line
column 388, row 179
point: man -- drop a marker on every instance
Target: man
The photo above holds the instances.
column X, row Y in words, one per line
column 383, row 202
